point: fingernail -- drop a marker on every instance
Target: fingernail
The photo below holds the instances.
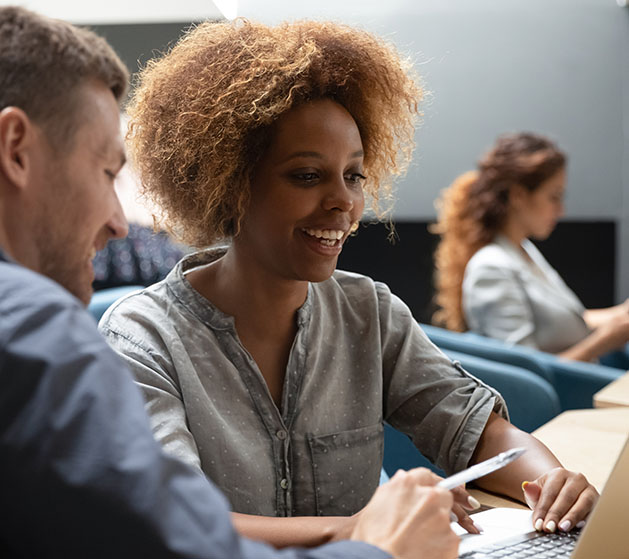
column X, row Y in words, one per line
column 524, row 484
column 551, row 526
column 565, row 526
column 539, row 523
column 580, row 524
column 479, row 528
column 453, row 517
column 473, row 503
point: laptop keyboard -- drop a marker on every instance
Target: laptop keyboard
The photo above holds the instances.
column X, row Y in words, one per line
column 539, row 545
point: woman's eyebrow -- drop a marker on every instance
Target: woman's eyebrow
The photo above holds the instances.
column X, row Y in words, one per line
column 317, row 155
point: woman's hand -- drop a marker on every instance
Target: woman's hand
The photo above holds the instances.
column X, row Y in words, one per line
column 616, row 331
column 610, row 335
column 560, row 500
column 464, row 502
column 595, row 318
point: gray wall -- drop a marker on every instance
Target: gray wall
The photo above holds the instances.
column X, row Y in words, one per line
column 622, row 275
column 558, row 67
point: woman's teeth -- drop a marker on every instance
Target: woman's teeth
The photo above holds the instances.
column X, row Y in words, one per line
column 325, row 233
column 327, row 237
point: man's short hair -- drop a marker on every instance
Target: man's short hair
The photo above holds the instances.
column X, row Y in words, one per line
column 44, row 61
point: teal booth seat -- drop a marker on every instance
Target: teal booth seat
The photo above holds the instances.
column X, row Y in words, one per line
column 103, row 299
column 575, row 382
column 531, row 400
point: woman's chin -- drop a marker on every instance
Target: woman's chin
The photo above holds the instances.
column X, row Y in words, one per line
column 543, row 235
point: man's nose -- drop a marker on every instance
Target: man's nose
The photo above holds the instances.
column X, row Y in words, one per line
column 117, row 224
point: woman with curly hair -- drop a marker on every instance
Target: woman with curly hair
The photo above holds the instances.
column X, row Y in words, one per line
column 492, row 279
column 261, row 364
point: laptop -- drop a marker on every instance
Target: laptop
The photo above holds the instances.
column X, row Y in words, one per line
column 605, row 535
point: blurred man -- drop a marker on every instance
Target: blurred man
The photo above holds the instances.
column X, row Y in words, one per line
column 82, row 475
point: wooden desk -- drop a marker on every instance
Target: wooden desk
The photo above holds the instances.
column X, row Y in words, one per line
column 491, row 500
column 587, row 441
column 614, row 394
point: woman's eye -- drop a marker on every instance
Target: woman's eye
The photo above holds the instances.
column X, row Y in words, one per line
column 306, row 178
column 356, row 178
column 110, row 174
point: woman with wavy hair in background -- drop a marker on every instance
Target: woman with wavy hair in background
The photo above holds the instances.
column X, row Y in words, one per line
column 261, row 364
column 491, row 279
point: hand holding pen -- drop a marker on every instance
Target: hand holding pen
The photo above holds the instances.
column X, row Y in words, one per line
column 455, row 484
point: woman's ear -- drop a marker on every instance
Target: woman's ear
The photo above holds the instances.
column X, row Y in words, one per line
column 517, row 195
column 16, row 139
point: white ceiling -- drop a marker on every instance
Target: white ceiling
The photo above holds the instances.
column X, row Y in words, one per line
column 154, row 11
column 129, row 11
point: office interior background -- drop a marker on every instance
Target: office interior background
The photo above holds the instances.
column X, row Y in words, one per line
column 557, row 67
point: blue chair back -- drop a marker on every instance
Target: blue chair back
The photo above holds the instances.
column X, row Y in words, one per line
column 531, row 400
column 618, row 359
column 401, row 454
column 103, row 299
column 487, row 348
column 574, row 381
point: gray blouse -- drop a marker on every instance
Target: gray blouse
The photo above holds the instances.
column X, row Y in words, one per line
column 521, row 299
column 358, row 359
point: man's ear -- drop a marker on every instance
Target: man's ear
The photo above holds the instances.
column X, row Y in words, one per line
column 17, row 135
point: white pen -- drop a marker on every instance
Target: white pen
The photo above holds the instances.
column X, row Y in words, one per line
column 482, row 469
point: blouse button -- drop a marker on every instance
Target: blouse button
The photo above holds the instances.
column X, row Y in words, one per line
column 281, row 435
column 284, row 483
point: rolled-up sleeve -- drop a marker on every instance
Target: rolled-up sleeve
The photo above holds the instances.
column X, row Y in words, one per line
column 438, row 404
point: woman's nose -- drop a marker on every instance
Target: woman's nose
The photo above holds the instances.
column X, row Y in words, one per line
column 339, row 196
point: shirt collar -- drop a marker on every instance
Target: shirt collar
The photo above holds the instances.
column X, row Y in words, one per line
column 202, row 307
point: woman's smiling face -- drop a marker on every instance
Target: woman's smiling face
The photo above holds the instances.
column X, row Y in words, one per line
column 306, row 192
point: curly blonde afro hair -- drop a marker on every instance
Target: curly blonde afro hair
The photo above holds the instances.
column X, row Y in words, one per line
column 200, row 115
column 473, row 210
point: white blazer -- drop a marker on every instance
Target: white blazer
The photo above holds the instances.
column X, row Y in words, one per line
column 521, row 301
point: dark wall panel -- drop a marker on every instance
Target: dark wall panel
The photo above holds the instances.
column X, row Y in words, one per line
column 582, row 252
column 138, row 43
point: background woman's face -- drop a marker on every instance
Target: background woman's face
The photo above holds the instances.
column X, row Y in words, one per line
column 306, row 193
column 540, row 210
